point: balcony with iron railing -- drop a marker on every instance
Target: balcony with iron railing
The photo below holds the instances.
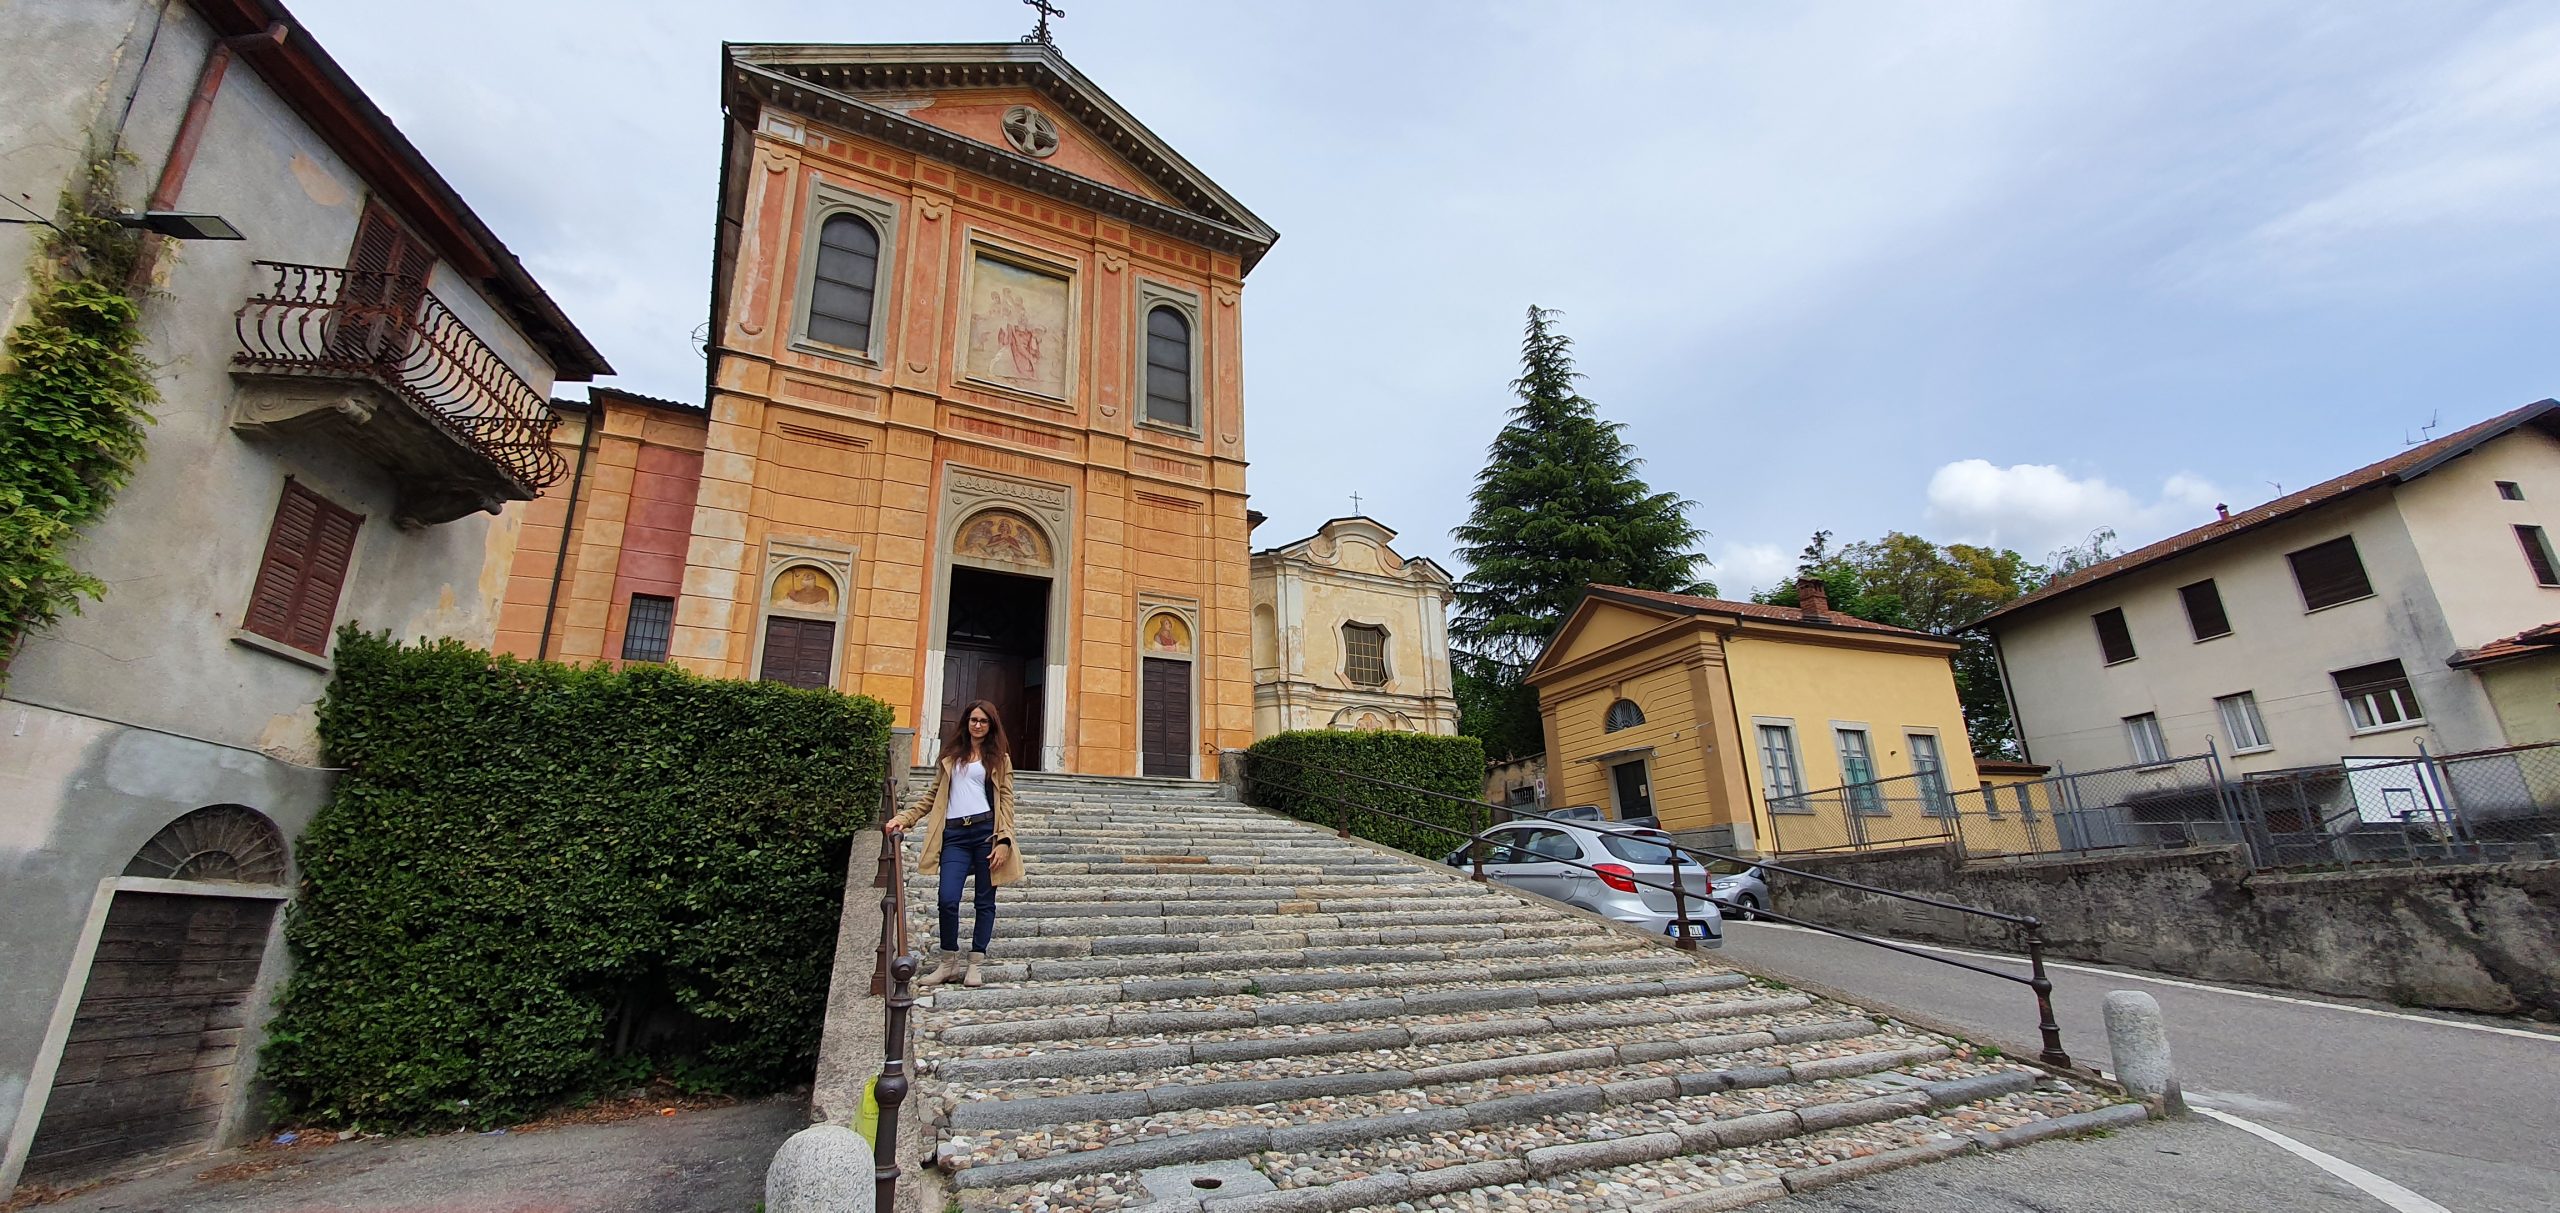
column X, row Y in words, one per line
column 377, row 362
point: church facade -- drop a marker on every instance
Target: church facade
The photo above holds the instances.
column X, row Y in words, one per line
column 973, row 422
column 1349, row 635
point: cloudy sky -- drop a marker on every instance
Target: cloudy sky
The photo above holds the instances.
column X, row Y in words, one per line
column 1981, row 271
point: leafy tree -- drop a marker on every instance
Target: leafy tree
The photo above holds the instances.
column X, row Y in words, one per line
column 1907, row 581
column 2098, row 548
column 1558, row 506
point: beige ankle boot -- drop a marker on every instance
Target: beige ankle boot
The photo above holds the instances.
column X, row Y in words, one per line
column 950, row 971
column 974, row 980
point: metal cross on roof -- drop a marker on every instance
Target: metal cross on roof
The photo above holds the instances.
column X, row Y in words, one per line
column 1040, row 33
column 1355, row 503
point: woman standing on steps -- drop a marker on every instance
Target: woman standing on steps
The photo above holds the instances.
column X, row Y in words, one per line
column 968, row 834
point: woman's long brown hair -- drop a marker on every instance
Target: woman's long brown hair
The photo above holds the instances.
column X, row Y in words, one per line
column 992, row 752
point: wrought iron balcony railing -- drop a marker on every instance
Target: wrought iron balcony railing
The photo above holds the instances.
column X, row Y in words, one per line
column 327, row 322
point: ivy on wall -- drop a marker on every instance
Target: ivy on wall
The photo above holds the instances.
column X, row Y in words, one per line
column 537, row 881
column 73, row 401
column 1306, row 780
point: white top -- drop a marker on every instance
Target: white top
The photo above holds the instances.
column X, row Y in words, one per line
column 968, row 792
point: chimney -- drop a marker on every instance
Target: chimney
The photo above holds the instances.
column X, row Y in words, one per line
column 2223, row 510
column 1813, row 597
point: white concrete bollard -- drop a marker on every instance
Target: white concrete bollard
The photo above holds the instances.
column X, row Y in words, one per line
column 825, row 1168
column 2139, row 1039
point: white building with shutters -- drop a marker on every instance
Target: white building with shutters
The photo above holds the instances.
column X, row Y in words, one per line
column 2401, row 605
column 354, row 397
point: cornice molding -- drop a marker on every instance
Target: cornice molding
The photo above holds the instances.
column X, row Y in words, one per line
column 1225, row 228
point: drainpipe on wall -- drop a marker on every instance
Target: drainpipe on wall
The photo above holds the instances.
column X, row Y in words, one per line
column 182, row 149
column 568, row 523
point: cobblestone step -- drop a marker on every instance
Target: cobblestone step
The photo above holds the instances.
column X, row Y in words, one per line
column 1182, row 985
column 993, row 1088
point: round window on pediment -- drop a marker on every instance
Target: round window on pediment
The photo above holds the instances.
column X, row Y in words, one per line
column 1030, row 132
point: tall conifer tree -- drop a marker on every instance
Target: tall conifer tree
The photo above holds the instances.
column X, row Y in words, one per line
column 1559, row 506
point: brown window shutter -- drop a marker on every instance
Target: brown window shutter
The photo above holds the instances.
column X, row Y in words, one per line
column 305, row 567
column 2330, row 573
column 2115, row 639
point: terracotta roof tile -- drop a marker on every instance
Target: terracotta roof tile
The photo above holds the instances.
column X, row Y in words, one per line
column 2407, row 465
column 2530, row 641
column 1695, row 605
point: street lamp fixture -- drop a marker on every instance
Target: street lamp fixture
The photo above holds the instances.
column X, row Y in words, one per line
column 182, row 225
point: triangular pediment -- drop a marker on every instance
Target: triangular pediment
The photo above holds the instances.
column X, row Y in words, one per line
column 930, row 96
column 1597, row 624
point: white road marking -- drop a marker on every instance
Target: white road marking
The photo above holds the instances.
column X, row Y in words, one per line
column 2399, row 1198
column 2545, row 1037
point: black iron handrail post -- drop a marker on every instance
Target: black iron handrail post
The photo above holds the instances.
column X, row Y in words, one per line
column 2043, row 986
column 898, row 963
column 1687, row 942
column 1475, row 843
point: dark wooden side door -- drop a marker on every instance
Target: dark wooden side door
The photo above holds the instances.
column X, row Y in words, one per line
column 1167, row 744
column 150, row 1059
column 970, row 673
column 800, row 652
column 1635, row 792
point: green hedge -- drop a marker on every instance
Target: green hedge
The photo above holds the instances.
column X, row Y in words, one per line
column 536, row 881
column 1452, row 766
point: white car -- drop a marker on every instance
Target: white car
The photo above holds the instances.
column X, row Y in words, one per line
column 1620, row 873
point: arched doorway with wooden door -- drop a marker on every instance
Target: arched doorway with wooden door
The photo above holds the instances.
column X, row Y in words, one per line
column 999, row 626
column 1168, row 691
column 154, row 1033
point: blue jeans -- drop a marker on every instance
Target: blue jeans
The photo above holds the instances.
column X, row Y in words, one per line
column 965, row 848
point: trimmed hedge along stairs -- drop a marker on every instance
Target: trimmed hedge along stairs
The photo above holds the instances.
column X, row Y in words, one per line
column 1186, row 982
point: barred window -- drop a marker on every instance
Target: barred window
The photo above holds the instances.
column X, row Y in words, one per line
column 1364, row 653
column 1624, row 714
column 645, row 630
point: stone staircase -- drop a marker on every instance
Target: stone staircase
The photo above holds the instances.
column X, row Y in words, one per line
column 1195, row 1005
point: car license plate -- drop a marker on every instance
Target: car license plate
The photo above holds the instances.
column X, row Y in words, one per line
column 1697, row 930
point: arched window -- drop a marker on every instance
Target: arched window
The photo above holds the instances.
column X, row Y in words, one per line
column 848, row 271
column 1169, row 367
column 220, row 842
column 1623, row 714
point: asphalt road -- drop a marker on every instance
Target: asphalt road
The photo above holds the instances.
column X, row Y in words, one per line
column 2462, row 1117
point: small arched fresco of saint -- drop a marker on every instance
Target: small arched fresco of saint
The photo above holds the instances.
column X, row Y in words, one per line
column 806, row 588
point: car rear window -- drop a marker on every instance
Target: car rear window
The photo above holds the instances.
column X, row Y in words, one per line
column 1636, row 849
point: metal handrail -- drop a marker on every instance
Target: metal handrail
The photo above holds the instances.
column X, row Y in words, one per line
column 893, row 975
column 389, row 329
column 2030, row 928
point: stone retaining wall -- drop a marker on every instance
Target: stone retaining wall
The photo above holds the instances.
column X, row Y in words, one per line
column 2472, row 938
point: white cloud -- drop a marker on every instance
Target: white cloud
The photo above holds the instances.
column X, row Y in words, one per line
column 1744, row 569
column 2037, row 507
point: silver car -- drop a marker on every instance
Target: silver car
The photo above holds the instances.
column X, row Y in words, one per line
column 1746, row 889
column 1624, row 874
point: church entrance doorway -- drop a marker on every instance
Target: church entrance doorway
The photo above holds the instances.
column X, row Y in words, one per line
column 996, row 649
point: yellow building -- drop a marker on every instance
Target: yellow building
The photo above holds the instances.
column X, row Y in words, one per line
column 1718, row 718
column 974, row 426
column 1349, row 635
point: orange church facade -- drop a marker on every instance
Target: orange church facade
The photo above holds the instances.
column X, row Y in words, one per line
column 974, row 423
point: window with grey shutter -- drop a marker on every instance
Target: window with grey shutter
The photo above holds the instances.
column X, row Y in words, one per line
column 2204, row 609
column 2115, row 640
column 1168, row 367
column 2330, row 573
column 848, row 274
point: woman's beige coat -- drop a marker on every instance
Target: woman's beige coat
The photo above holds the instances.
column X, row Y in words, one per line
column 1005, row 864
